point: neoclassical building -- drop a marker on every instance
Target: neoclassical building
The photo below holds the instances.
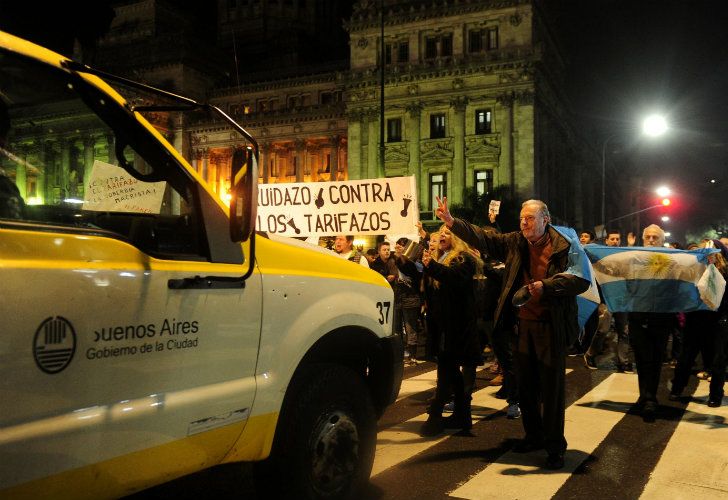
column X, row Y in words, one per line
column 472, row 96
column 472, row 100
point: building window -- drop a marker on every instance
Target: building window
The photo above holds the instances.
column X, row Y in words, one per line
column 430, row 47
column 403, row 52
column 482, row 40
column 294, row 101
column 483, row 181
column 394, row 130
column 438, row 46
column 446, row 45
column 396, row 53
column 492, row 38
column 437, row 125
column 438, row 188
column 483, row 121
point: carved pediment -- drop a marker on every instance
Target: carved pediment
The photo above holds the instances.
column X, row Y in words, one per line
column 437, row 149
column 482, row 146
column 396, row 153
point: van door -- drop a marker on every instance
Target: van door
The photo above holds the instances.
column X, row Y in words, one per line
column 115, row 336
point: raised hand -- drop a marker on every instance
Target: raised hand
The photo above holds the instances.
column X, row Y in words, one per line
column 421, row 230
column 426, row 258
column 631, row 239
column 442, row 212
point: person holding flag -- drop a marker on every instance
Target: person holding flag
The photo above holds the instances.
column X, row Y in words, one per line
column 547, row 266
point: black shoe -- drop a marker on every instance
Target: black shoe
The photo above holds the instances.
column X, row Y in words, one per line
column 457, row 420
column 674, row 397
column 527, row 446
column 649, row 412
column 555, row 461
column 573, row 352
column 433, row 426
column 715, row 402
column 628, row 368
column 501, row 394
column 589, row 362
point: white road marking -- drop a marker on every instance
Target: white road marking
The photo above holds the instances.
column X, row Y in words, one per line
column 695, row 462
column 586, row 427
column 402, row 441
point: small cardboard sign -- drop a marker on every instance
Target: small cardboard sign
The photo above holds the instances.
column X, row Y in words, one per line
column 111, row 189
column 494, row 206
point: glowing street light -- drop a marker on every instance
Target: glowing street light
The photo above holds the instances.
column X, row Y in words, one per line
column 665, row 218
column 654, row 125
column 663, row 191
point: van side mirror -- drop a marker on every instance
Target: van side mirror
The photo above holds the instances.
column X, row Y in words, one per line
column 244, row 193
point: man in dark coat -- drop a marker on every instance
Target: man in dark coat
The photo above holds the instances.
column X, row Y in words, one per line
column 536, row 256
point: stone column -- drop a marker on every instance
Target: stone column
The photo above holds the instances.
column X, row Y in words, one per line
column 354, row 145
column 21, row 174
column 458, row 168
column 88, row 160
column 43, row 170
column 372, row 144
column 204, row 156
column 263, row 166
column 299, row 146
column 195, row 159
column 507, row 159
column 414, row 167
column 111, row 144
column 335, row 141
column 65, row 168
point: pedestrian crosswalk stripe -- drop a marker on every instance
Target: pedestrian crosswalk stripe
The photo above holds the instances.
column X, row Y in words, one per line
column 695, row 461
column 402, row 441
column 420, row 383
column 587, row 424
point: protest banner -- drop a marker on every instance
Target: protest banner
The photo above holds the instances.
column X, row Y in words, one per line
column 110, row 189
column 362, row 207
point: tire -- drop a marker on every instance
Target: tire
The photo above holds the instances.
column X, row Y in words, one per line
column 325, row 437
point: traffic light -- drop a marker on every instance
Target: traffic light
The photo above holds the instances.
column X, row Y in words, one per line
column 665, row 202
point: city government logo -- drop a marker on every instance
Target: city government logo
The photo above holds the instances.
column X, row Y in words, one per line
column 54, row 344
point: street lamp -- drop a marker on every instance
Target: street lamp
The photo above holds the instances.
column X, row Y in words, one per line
column 652, row 126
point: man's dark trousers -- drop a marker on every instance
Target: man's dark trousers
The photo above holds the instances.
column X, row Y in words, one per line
column 540, row 371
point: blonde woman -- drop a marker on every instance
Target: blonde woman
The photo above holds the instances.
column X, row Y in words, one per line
column 452, row 314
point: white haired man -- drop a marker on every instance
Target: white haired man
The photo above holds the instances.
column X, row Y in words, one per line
column 536, row 257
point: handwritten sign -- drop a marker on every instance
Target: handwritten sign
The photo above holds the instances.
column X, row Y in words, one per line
column 111, row 189
column 494, row 206
column 368, row 206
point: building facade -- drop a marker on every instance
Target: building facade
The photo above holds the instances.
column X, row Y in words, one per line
column 472, row 100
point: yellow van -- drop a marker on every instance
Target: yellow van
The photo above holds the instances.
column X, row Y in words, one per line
column 149, row 332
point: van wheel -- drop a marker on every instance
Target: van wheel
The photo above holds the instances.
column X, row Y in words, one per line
column 325, row 439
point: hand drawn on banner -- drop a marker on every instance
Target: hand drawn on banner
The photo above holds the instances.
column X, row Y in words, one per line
column 369, row 206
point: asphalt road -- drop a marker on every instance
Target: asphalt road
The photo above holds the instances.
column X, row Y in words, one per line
column 612, row 453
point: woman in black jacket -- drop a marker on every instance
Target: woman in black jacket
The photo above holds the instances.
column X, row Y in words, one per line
column 453, row 317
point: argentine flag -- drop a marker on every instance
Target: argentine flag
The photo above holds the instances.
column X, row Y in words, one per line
column 579, row 265
column 656, row 279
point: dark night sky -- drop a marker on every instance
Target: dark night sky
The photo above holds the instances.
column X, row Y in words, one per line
column 631, row 57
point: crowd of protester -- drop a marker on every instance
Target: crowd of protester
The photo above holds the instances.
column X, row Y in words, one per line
column 466, row 296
